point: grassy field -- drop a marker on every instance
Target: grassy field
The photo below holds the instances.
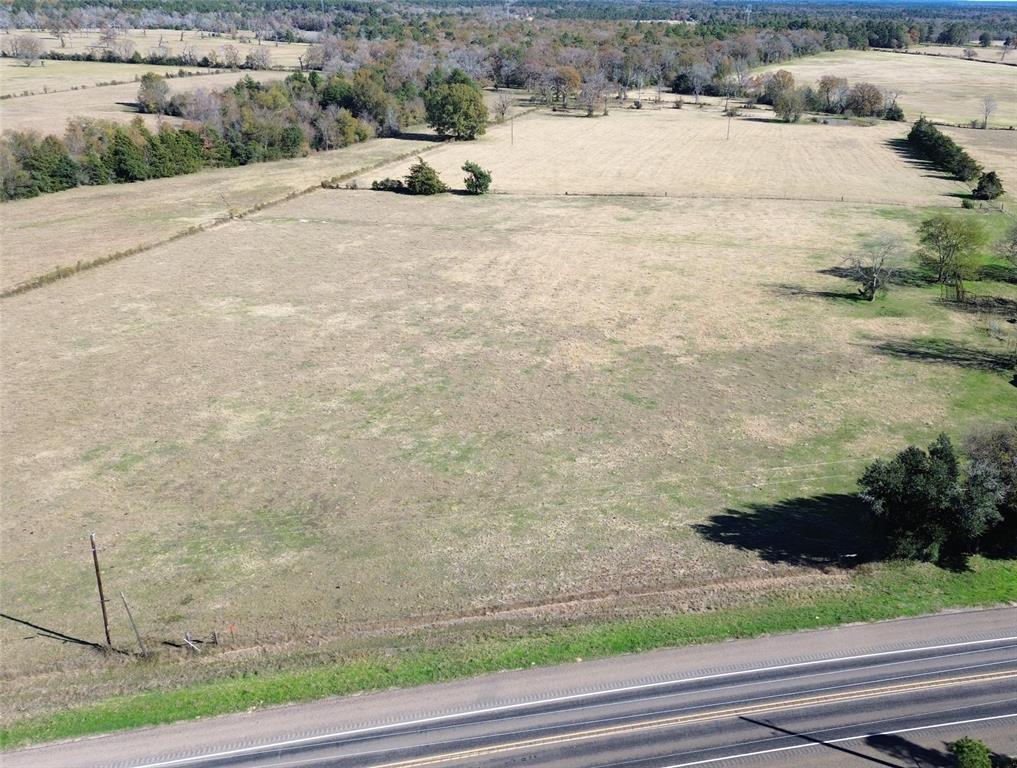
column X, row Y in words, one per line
column 993, row 53
column 49, row 112
column 356, row 414
column 175, row 41
column 686, row 154
column 944, row 89
column 52, row 231
column 59, row 76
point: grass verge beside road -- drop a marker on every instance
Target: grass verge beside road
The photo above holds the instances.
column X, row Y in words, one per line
column 885, row 592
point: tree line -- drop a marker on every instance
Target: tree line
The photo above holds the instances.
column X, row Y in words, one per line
column 249, row 123
column 831, row 95
column 930, row 142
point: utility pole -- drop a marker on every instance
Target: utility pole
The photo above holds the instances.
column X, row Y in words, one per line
column 102, row 597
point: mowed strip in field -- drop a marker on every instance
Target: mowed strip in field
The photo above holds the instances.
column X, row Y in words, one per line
column 48, row 113
column 360, row 407
column 943, row 89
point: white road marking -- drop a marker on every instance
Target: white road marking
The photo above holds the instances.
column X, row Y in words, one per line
column 839, row 741
column 554, row 700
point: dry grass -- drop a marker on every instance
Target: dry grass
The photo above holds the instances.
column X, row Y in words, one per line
column 993, row 53
column 48, row 113
column 52, row 231
column 358, row 408
column 685, row 153
column 56, row 76
column 145, row 41
column 945, row 89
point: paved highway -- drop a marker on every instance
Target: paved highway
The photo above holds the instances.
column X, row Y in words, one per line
column 884, row 694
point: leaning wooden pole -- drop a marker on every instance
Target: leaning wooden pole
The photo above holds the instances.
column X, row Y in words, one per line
column 134, row 626
column 102, row 597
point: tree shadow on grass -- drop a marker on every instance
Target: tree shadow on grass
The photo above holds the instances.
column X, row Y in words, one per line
column 947, row 352
column 905, row 276
column 905, row 151
column 411, row 136
column 798, row 291
column 983, row 305
column 817, row 531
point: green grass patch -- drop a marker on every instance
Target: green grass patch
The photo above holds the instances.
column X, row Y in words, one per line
column 884, row 592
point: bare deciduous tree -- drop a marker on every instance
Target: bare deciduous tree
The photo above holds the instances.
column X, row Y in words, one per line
column 26, row 48
column 875, row 264
column 230, row 56
column 988, row 108
column 258, row 58
column 592, row 92
column 1006, row 246
column 501, row 108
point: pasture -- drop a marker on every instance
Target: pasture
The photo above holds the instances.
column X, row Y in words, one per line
column 943, row 89
column 357, row 412
column 44, row 233
column 49, row 112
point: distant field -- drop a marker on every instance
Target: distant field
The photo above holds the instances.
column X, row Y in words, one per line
column 48, row 113
column 16, row 78
column 993, row 53
column 685, row 153
column 360, row 411
column 945, row 89
column 174, row 41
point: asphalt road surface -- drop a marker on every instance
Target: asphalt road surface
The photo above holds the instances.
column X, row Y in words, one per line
column 890, row 694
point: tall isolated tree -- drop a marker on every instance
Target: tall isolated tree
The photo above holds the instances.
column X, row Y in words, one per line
column 455, row 105
column 989, row 106
column 153, row 94
column 950, row 247
column 26, row 48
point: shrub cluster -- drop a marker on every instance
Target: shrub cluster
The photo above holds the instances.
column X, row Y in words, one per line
column 929, row 141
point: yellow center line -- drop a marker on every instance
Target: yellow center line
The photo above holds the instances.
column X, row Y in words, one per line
column 757, row 709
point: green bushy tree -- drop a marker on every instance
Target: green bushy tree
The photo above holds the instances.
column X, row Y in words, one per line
column 478, row 180
column 424, row 180
column 989, row 186
column 153, row 93
column 950, row 248
column 925, row 507
column 970, row 753
column 455, row 106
